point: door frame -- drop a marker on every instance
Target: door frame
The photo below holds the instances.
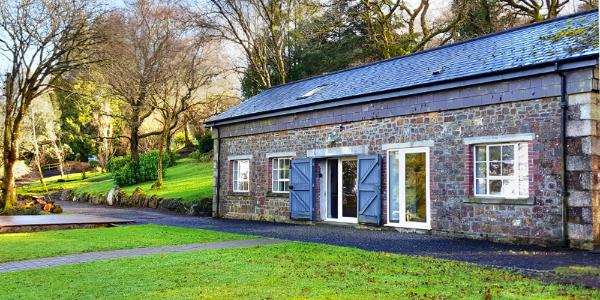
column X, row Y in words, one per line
column 339, row 201
column 402, row 205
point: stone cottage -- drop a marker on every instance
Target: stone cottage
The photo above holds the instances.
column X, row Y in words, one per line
column 493, row 138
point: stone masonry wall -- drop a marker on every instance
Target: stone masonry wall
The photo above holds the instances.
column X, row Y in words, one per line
column 539, row 222
column 583, row 170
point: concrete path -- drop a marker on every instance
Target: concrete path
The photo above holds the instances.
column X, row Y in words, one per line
column 476, row 251
column 92, row 256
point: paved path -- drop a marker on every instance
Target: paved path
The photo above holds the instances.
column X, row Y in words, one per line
column 481, row 252
column 92, row 256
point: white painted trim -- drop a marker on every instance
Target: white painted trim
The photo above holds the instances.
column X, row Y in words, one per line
column 520, row 137
column 402, row 217
column 424, row 143
column 338, row 151
column 281, row 154
column 240, row 157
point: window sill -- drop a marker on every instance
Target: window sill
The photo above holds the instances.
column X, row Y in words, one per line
column 278, row 195
column 244, row 194
column 499, row 200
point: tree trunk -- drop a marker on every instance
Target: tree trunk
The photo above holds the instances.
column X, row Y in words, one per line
column 168, row 141
column 36, row 152
column 187, row 132
column 135, row 141
column 161, row 147
column 9, row 188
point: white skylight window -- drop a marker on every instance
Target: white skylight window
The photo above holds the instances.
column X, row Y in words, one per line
column 313, row 91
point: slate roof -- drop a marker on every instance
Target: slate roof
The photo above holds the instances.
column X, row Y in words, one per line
column 513, row 49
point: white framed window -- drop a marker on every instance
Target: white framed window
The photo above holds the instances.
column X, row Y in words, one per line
column 501, row 170
column 280, row 175
column 241, row 175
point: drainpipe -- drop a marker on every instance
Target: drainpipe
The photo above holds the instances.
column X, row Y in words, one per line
column 218, row 175
column 563, row 153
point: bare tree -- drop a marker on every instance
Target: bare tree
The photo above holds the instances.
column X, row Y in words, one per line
column 136, row 54
column 588, row 5
column 190, row 70
column 397, row 29
column 41, row 39
column 260, row 28
column 535, row 10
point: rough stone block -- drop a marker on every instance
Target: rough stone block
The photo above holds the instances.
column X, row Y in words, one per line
column 579, row 99
column 581, row 128
column 581, row 232
column 580, row 199
column 589, row 112
column 579, row 163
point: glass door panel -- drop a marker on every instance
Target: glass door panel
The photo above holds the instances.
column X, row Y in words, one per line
column 349, row 199
column 408, row 187
column 415, row 187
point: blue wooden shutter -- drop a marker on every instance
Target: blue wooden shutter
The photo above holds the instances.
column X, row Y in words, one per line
column 302, row 189
column 369, row 189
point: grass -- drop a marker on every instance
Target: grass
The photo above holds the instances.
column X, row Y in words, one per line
column 20, row 246
column 577, row 271
column 188, row 180
column 71, row 181
column 284, row 271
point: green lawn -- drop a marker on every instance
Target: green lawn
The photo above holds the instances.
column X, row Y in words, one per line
column 53, row 185
column 188, row 180
column 19, row 246
column 284, row 271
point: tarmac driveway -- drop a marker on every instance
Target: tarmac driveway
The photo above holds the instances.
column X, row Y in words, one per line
column 528, row 258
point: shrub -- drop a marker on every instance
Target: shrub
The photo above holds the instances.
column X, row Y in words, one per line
column 149, row 165
column 123, row 170
column 124, row 173
column 172, row 158
column 94, row 164
column 116, row 163
column 205, row 141
column 202, row 157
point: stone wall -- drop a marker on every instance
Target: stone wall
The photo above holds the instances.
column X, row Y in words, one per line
column 583, row 170
column 538, row 222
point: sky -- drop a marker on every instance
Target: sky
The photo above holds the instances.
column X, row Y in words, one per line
column 437, row 7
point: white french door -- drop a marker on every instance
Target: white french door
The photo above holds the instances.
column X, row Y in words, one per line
column 342, row 199
column 408, row 188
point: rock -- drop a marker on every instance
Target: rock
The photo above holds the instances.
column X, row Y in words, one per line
column 153, row 202
column 40, row 200
column 111, row 196
column 201, row 208
column 57, row 209
column 66, row 195
column 48, row 207
column 137, row 197
column 173, row 205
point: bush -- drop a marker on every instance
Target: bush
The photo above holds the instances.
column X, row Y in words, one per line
column 202, row 157
column 205, row 141
column 123, row 170
column 172, row 158
column 124, row 173
column 116, row 163
column 149, row 165
column 94, row 164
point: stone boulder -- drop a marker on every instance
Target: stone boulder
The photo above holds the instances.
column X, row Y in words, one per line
column 137, row 198
column 153, row 202
column 173, row 205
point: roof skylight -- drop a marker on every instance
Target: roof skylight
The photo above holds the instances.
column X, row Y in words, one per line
column 313, row 91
